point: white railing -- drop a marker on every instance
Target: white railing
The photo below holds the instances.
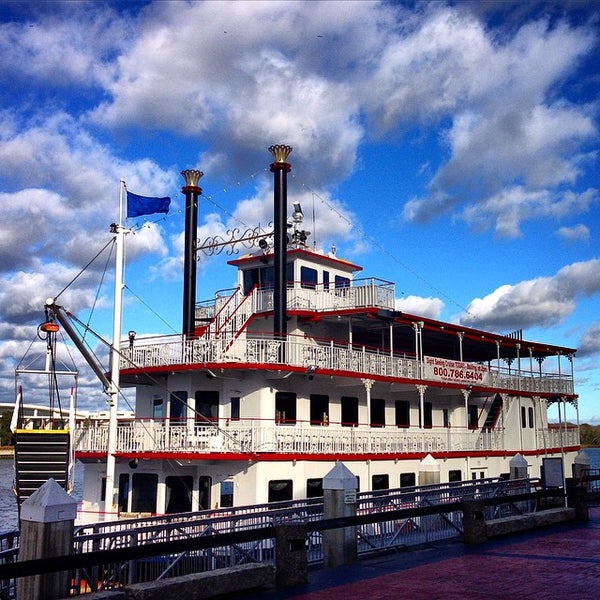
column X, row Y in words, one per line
column 558, row 437
column 369, row 293
column 255, row 437
column 305, row 353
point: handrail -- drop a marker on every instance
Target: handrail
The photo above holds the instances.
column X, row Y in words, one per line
column 55, row 564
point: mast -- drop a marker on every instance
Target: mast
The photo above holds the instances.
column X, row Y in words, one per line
column 110, row 496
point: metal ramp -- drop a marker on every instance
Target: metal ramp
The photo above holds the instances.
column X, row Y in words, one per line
column 40, row 454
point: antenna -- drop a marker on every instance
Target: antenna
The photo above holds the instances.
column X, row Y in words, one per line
column 314, row 227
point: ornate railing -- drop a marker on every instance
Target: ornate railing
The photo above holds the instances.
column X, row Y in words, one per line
column 308, row 353
column 255, row 437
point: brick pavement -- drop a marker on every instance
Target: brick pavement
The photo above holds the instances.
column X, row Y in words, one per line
column 558, row 563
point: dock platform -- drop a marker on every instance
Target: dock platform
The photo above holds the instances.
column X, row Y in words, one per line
column 561, row 562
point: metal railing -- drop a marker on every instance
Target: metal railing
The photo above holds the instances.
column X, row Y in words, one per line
column 211, row 540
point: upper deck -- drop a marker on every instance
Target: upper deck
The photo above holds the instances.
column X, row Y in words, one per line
column 354, row 331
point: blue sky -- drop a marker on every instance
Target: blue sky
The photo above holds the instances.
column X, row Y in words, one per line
column 449, row 147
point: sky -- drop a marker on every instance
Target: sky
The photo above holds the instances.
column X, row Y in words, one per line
column 449, row 147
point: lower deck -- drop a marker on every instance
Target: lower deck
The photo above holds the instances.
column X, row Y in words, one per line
column 150, row 487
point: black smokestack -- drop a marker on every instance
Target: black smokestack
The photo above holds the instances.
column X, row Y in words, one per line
column 280, row 169
column 191, row 191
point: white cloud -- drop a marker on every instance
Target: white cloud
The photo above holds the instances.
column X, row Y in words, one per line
column 590, row 341
column 506, row 210
column 542, row 302
column 417, row 305
column 577, row 233
column 325, row 77
column 507, row 129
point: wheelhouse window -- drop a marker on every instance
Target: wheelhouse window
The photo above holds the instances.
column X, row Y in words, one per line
column 263, row 277
column 349, row 411
column 178, row 406
column 377, row 412
column 314, row 488
column 143, row 494
column 402, row 413
column 341, row 282
column 207, row 406
column 280, row 490
column 319, row 409
column 325, row 280
column 178, row 494
column 285, row 408
column 308, row 278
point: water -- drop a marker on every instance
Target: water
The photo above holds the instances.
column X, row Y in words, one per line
column 9, row 520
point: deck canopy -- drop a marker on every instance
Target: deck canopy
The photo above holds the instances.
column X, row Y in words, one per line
column 372, row 327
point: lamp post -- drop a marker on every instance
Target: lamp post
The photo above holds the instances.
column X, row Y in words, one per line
column 280, row 169
column 191, row 191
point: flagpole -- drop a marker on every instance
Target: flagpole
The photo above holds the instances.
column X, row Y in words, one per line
column 111, row 494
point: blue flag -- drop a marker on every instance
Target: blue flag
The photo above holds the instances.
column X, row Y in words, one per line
column 144, row 205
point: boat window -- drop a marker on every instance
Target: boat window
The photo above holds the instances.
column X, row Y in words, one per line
column 234, row 408
column 473, row 416
column 408, row 480
column 402, row 413
column 349, row 411
column 178, row 494
column 204, row 487
column 262, row 277
column 314, row 488
column 523, row 417
column 143, row 496
column 308, row 278
column 530, row 413
column 325, row 280
column 319, row 409
column 280, row 490
column 428, row 415
column 226, row 494
column 285, row 408
column 178, row 406
column 342, row 282
column 207, row 405
column 157, row 408
column 454, row 475
column 380, row 482
column 446, row 415
column 377, row 412
column 123, row 495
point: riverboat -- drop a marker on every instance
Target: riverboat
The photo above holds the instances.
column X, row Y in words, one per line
column 304, row 364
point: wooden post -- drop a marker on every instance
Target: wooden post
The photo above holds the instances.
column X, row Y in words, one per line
column 47, row 520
